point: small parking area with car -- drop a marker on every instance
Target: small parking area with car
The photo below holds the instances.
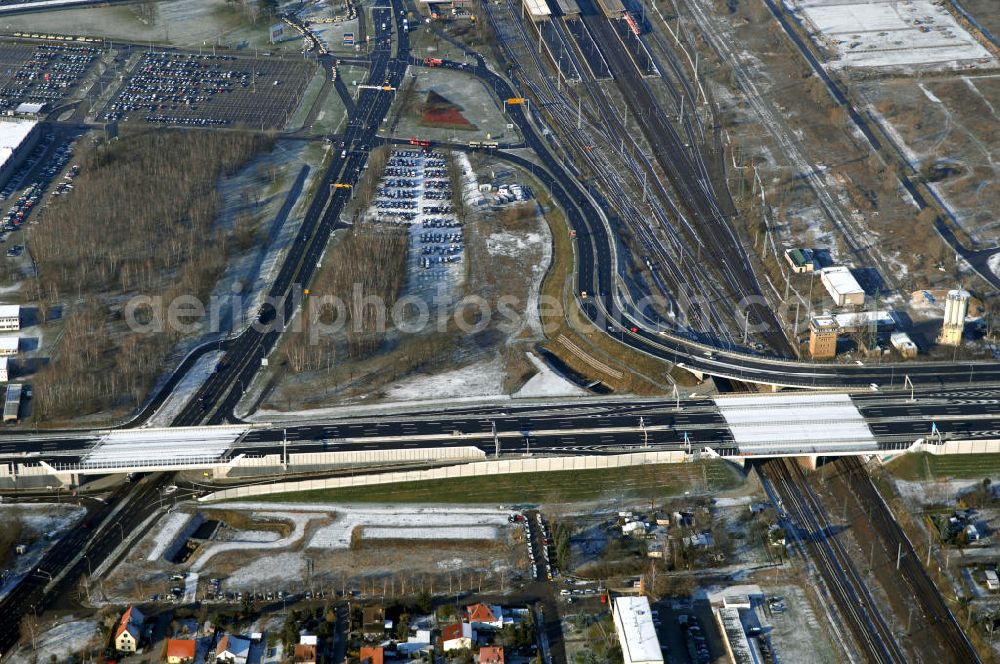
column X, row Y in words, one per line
column 41, row 73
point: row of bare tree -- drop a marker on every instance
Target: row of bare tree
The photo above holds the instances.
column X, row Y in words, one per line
column 367, row 273
column 139, row 222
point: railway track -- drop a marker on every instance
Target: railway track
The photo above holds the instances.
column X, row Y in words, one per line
column 844, row 583
column 686, row 173
column 668, row 245
column 934, row 612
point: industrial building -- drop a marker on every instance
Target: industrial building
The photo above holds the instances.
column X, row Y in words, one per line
column 800, row 260
column 852, row 322
column 8, row 346
column 733, row 609
column 823, row 332
column 17, row 138
column 12, row 402
column 734, row 637
column 29, row 109
column 10, row 317
column 842, row 286
column 956, row 309
column 636, row 632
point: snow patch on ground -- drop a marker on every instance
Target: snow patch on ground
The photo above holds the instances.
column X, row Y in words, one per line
column 510, row 244
column 431, row 533
column 547, row 383
column 168, row 531
column 299, row 522
column 186, row 388
column 47, row 522
column 930, row 95
column 60, row 641
column 887, row 33
column 404, row 519
column 938, row 492
column 279, row 567
column 994, row 264
column 475, row 380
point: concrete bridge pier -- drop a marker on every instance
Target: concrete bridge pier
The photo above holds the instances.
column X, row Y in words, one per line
column 808, row 462
column 66, row 480
column 700, row 375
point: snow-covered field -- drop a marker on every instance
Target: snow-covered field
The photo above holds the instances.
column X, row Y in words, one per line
column 59, row 642
column 893, row 33
column 299, row 523
column 431, row 533
column 547, row 383
column 481, row 379
column 337, row 535
column 186, row 389
column 168, row 530
column 509, row 244
column 278, row 567
column 46, row 522
column 402, row 518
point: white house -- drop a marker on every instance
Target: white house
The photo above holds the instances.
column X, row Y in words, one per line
column 10, row 317
column 457, row 636
column 483, row 616
column 232, row 649
column 129, row 629
column 9, row 345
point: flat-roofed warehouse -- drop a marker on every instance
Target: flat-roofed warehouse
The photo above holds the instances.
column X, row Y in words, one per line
column 636, row 632
column 17, row 137
column 10, row 317
column 538, row 10
column 842, row 286
column 8, row 345
column 12, row 403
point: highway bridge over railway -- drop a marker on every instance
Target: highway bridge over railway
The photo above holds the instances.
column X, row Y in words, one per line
column 740, row 427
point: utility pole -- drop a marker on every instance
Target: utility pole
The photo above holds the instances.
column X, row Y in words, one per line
column 907, row 381
column 284, row 449
column 496, row 439
column 645, row 434
column 677, row 398
column 899, row 554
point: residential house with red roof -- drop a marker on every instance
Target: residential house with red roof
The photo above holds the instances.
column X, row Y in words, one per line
column 483, row 616
column 129, row 630
column 457, row 636
column 491, row 655
column 180, row 651
column 371, row 655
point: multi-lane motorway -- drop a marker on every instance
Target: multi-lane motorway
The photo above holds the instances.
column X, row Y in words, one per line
column 592, row 426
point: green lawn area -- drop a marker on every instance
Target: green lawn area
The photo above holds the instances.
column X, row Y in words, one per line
column 923, row 466
column 653, row 481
